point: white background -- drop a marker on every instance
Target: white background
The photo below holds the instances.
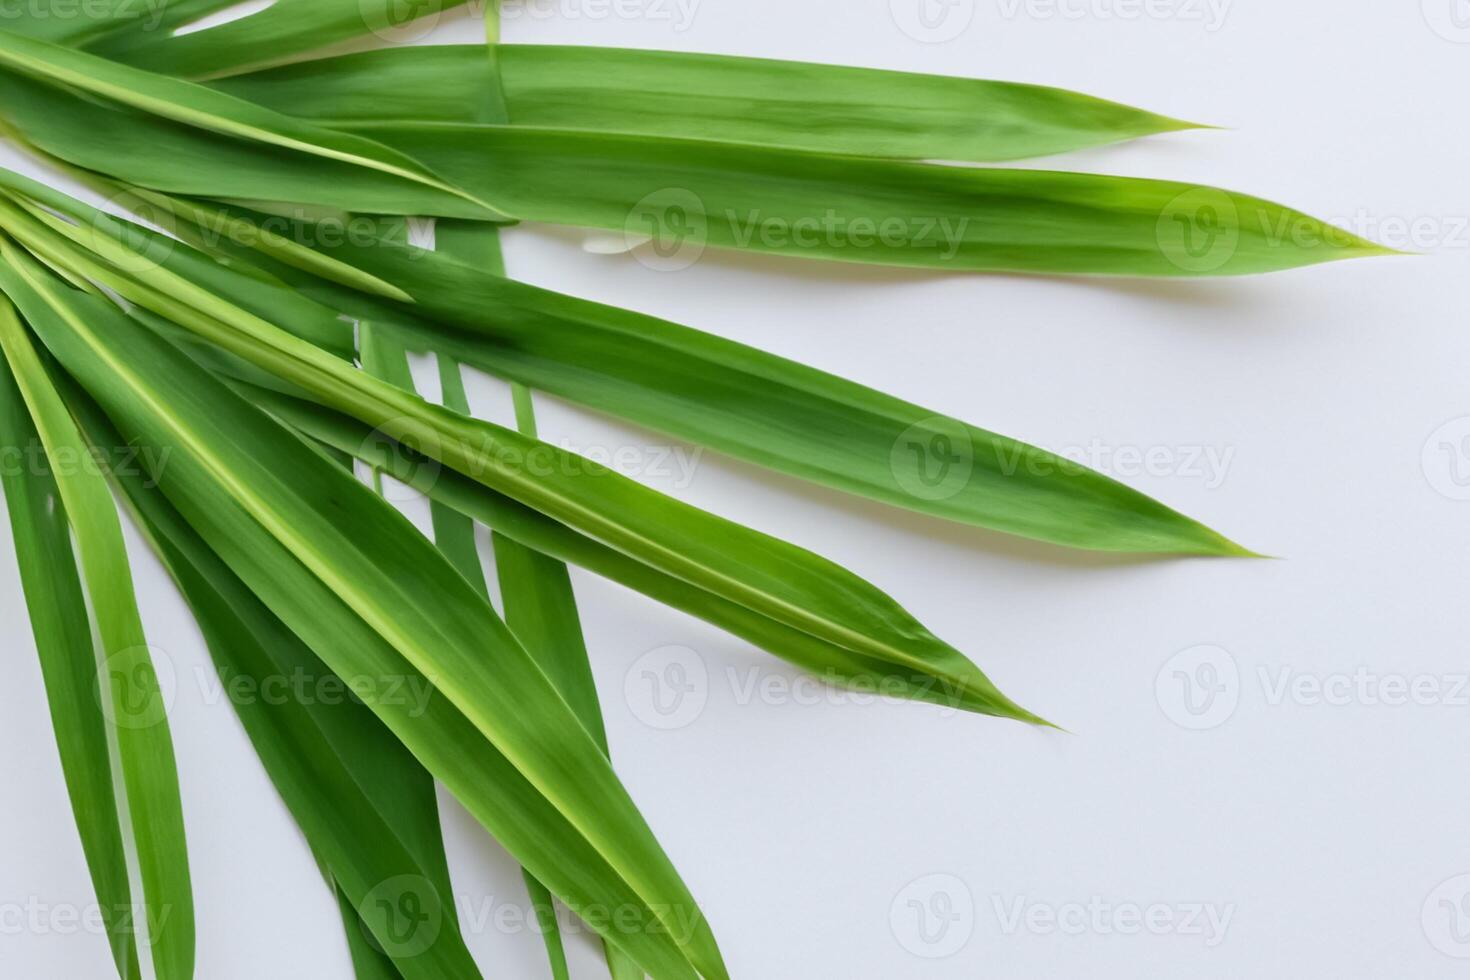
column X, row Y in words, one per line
column 818, row 836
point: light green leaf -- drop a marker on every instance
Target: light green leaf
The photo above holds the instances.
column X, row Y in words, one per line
column 284, row 29
column 141, row 120
column 685, row 195
column 59, row 621
column 860, row 111
column 129, row 689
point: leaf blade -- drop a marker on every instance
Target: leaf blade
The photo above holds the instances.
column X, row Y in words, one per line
column 139, row 723
column 830, row 108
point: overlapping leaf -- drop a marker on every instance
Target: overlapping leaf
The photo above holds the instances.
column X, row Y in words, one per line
column 763, row 573
column 372, row 598
column 126, row 689
column 158, row 122
column 713, row 392
column 683, row 194
column 366, row 806
column 58, row 616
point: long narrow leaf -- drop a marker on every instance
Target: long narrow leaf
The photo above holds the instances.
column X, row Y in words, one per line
column 284, row 29
column 755, row 570
column 157, row 121
column 686, row 195
column 58, row 617
column 129, row 686
column 308, row 539
column 861, row 111
column 718, row 393
column 510, row 519
column 366, row 806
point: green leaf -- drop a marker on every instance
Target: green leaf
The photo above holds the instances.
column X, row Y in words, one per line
column 859, row 111
column 352, row 578
column 281, row 31
column 778, row 579
column 140, row 123
column 368, row 963
column 365, row 805
column 823, row 658
column 741, row 401
column 682, row 194
column 129, row 688
column 686, row 195
column 76, row 23
column 510, row 519
column 58, row 617
column 536, row 591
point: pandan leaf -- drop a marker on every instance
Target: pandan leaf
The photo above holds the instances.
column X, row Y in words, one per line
column 733, row 398
column 127, row 688
column 365, row 805
column 353, row 579
column 59, row 622
column 284, row 29
column 686, row 195
column 860, row 111
column 510, row 519
column 43, row 85
column 763, row 573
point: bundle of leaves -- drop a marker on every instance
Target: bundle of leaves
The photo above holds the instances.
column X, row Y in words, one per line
column 248, row 353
